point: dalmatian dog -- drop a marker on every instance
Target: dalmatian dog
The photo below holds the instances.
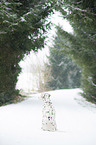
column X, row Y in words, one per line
column 48, row 114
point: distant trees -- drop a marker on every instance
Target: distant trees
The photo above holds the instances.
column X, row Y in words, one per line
column 22, row 27
column 82, row 43
column 64, row 73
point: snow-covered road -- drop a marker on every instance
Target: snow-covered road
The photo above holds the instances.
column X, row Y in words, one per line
column 20, row 124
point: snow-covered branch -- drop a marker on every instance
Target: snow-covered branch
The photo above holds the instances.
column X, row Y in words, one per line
column 81, row 10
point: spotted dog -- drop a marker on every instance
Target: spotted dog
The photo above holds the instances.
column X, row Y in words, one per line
column 48, row 114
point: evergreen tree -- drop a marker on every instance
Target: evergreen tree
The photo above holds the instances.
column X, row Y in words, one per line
column 64, row 72
column 81, row 45
column 22, row 28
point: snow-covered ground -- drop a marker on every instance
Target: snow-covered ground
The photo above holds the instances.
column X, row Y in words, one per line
column 20, row 124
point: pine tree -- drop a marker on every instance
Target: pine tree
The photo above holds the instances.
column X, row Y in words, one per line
column 64, row 73
column 22, row 28
column 81, row 45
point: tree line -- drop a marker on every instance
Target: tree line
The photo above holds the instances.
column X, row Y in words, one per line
column 22, row 28
column 81, row 45
column 63, row 72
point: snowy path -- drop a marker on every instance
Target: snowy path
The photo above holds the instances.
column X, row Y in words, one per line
column 20, row 124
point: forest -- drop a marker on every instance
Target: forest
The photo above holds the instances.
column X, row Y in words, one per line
column 23, row 25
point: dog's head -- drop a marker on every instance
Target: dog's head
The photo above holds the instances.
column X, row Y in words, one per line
column 45, row 97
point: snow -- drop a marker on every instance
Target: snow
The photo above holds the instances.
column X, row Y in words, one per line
column 20, row 124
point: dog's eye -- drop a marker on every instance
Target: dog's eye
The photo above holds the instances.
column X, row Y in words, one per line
column 49, row 117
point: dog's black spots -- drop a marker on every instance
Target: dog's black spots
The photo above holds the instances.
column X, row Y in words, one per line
column 48, row 114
